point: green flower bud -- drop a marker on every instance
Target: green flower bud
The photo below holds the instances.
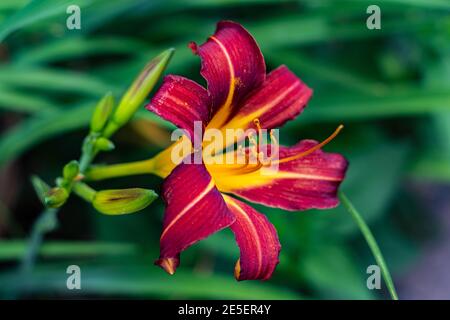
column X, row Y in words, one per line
column 123, row 201
column 104, row 144
column 40, row 187
column 102, row 112
column 71, row 170
column 138, row 91
column 56, row 197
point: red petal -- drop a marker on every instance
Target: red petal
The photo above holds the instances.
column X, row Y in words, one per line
column 305, row 183
column 281, row 98
column 257, row 240
column 181, row 101
column 195, row 209
column 233, row 65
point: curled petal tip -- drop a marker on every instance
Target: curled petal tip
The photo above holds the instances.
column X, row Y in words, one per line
column 237, row 269
column 193, row 46
column 168, row 264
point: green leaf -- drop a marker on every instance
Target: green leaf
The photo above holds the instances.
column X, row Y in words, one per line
column 321, row 70
column 331, row 269
column 53, row 80
column 34, row 11
column 67, row 49
column 15, row 249
column 372, row 179
column 431, row 167
column 413, row 102
column 34, row 130
column 18, row 101
column 142, row 280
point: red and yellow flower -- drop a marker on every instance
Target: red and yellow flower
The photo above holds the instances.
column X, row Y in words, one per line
column 200, row 198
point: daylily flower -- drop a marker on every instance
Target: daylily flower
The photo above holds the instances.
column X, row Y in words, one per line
column 199, row 197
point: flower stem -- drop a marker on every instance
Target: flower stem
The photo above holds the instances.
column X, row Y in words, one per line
column 84, row 191
column 46, row 222
column 88, row 153
column 120, row 170
column 85, row 160
column 372, row 244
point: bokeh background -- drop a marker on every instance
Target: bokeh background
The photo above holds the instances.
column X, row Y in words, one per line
column 390, row 87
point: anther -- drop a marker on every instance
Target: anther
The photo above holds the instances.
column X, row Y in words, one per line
column 257, row 124
column 315, row 148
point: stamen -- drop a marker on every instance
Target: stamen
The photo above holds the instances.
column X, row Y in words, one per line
column 240, row 150
column 257, row 124
column 265, row 161
column 262, row 160
column 316, row 147
column 252, row 139
column 275, row 143
column 253, row 148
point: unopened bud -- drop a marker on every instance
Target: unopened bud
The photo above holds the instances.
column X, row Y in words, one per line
column 138, row 91
column 104, row 144
column 123, row 201
column 56, row 197
column 70, row 170
column 102, row 112
column 40, row 187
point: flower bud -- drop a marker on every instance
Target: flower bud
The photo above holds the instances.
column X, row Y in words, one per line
column 102, row 112
column 123, row 201
column 40, row 187
column 56, row 197
column 70, row 170
column 104, row 144
column 138, row 91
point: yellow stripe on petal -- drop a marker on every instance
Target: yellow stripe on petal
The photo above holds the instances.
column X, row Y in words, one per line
column 191, row 204
column 165, row 161
column 242, row 215
column 224, row 111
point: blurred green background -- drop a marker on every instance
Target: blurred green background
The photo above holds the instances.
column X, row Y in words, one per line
column 390, row 87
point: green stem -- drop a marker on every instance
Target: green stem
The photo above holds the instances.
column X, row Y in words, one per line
column 372, row 244
column 85, row 161
column 120, row 170
column 46, row 222
column 88, row 153
column 111, row 128
column 84, row 191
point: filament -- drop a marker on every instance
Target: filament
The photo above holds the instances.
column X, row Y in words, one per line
column 316, row 147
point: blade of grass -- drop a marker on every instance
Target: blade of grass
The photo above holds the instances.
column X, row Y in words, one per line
column 77, row 47
column 411, row 102
column 51, row 80
column 37, row 129
column 272, row 34
column 14, row 249
column 321, row 70
column 34, row 11
column 371, row 242
column 431, row 167
column 140, row 280
column 34, row 130
column 14, row 100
